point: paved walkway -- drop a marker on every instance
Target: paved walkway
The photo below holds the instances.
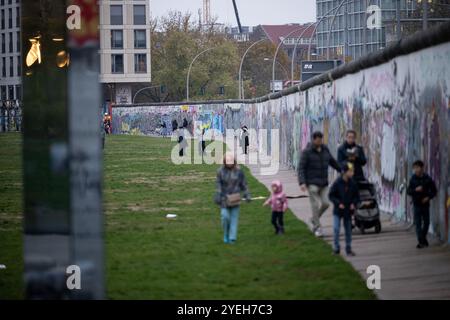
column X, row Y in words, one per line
column 406, row 272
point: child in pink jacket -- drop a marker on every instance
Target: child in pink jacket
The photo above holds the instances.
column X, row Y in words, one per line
column 278, row 202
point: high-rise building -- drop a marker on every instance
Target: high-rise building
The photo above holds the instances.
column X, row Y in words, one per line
column 125, row 47
column 353, row 28
column 10, row 56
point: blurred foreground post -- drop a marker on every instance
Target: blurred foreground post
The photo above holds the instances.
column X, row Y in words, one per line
column 63, row 225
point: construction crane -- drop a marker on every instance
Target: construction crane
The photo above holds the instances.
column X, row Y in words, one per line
column 206, row 12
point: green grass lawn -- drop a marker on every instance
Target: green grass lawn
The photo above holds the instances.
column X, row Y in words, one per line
column 150, row 257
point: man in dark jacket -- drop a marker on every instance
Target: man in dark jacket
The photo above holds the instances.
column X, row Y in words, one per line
column 422, row 189
column 313, row 176
column 345, row 196
column 349, row 151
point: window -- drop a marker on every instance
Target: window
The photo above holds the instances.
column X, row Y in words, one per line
column 11, row 46
column 3, row 43
column 3, row 19
column 10, row 92
column 116, row 15
column 18, row 41
column 10, row 18
column 116, row 39
column 117, row 63
column 140, row 63
column 19, row 66
column 11, row 66
column 139, row 14
column 18, row 17
column 140, row 39
column 3, row 92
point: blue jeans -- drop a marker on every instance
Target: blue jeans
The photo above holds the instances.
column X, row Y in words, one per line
column 230, row 217
column 348, row 231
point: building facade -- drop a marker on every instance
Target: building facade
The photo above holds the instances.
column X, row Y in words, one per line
column 350, row 29
column 236, row 35
column 10, row 51
column 125, row 48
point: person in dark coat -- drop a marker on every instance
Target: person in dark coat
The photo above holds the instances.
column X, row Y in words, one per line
column 174, row 125
column 344, row 195
column 245, row 140
column 230, row 182
column 313, row 176
column 422, row 189
column 349, row 151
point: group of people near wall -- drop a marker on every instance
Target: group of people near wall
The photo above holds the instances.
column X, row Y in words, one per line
column 313, row 166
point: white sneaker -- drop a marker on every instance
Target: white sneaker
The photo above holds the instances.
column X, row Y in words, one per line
column 318, row 233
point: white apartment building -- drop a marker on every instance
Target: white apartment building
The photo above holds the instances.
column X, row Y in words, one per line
column 125, row 47
column 10, row 60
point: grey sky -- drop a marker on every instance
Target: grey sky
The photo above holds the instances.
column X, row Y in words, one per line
column 252, row 12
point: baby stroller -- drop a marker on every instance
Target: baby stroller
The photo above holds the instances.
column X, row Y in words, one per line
column 367, row 214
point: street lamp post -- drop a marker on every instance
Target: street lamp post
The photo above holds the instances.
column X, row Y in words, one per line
column 425, row 14
column 241, row 86
column 189, row 71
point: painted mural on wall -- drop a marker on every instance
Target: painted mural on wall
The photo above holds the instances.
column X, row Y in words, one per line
column 401, row 111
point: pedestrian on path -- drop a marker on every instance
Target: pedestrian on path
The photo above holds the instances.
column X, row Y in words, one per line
column 422, row 189
column 245, row 139
column 313, row 176
column 182, row 142
column 279, row 203
column 231, row 184
column 344, row 195
column 349, row 151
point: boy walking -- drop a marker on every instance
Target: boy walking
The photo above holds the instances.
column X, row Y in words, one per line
column 422, row 189
column 344, row 195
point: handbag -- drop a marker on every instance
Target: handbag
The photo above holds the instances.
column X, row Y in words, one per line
column 233, row 200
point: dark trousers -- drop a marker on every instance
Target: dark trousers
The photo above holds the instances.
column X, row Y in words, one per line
column 277, row 221
column 422, row 222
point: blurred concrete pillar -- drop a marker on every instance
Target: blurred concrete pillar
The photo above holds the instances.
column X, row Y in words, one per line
column 63, row 222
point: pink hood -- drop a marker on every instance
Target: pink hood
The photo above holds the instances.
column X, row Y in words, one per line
column 277, row 200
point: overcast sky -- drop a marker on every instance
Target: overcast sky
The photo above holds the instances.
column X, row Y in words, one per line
column 252, row 12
